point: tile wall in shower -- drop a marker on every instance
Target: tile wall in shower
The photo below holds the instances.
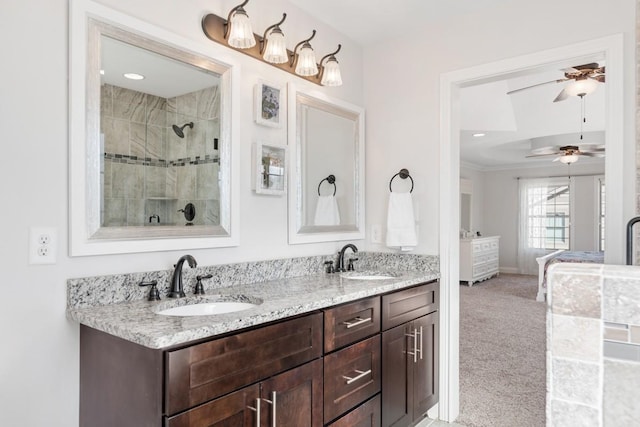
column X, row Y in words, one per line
column 148, row 171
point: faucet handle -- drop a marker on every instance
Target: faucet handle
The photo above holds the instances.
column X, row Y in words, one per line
column 329, row 267
column 199, row 290
column 350, row 264
column 154, row 295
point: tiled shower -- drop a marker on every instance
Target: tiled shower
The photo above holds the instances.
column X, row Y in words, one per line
column 149, row 173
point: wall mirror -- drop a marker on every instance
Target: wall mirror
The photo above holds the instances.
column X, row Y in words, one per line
column 326, row 143
column 152, row 153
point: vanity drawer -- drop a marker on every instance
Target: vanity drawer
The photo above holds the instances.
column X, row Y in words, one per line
column 351, row 376
column 348, row 323
column 403, row 306
column 365, row 415
column 205, row 371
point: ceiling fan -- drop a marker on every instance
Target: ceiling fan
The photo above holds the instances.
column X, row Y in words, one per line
column 585, row 78
column 569, row 153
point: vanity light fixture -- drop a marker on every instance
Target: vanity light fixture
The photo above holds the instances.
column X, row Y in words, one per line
column 272, row 48
column 330, row 70
column 133, row 76
column 238, row 30
column 272, row 45
column 305, row 60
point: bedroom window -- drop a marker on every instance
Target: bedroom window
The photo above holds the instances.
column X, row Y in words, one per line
column 548, row 216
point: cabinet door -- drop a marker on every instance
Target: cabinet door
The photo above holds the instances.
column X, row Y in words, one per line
column 293, row 398
column 238, row 409
column 425, row 370
column 396, row 377
column 365, row 415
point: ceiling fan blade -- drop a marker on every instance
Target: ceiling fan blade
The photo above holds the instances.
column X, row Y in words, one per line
column 587, row 154
column 536, row 85
column 561, row 96
column 599, row 78
column 543, row 155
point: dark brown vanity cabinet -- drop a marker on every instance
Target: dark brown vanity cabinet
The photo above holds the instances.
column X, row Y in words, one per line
column 370, row 362
column 409, row 355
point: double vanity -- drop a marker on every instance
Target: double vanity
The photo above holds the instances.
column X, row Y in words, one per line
column 320, row 349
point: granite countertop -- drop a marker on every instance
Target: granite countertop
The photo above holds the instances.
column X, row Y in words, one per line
column 138, row 321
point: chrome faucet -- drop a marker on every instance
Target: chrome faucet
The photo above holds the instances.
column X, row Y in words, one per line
column 177, row 291
column 340, row 263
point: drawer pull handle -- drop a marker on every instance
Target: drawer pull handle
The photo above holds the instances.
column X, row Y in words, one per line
column 361, row 374
column 356, row 322
column 273, row 412
column 257, row 411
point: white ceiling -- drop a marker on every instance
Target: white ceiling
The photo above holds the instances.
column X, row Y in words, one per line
column 512, row 123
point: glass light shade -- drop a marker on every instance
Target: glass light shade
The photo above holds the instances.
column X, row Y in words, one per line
column 276, row 50
column 569, row 158
column 581, row 87
column 306, row 61
column 240, row 33
column 331, row 73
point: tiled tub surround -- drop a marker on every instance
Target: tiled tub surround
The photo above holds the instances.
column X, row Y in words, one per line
column 115, row 304
column 593, row 366
column 147, row 169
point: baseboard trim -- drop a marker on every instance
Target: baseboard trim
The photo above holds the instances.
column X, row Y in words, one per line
column 508, row 270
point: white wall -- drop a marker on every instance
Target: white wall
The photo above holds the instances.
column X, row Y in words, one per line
column 39, row 362
column 500, row 206
column 477, row 197
column 402, row 87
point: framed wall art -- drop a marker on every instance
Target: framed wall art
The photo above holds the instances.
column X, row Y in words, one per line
column 269, row 168
column 269, row 105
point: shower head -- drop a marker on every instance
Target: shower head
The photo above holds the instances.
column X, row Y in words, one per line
column 179, row 129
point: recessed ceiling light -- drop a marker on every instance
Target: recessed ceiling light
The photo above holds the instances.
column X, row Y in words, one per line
column 134, row 76
column 479, row 134
column 102, row 72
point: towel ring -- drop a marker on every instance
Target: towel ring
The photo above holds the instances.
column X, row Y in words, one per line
column 331, row 179
column 404, row 174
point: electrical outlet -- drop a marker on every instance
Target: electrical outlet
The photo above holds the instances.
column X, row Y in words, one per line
column 43, row 243
column 376, row 233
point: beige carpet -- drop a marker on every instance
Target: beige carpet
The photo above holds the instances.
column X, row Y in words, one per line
column 502, row 353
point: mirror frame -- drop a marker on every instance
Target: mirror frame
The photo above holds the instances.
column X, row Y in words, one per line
column 88, row 21
column 298, row 232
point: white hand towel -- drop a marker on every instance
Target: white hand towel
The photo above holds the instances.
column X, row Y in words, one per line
column 401, row 225
column 327, row 212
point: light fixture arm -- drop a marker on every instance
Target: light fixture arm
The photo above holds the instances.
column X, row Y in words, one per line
column 231, row 12
column 295, row 49
column 330, row 55
column 263, row 42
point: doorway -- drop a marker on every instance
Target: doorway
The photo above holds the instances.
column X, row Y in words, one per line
column 608, row 48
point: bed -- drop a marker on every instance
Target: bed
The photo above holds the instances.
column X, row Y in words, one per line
column 593, row 257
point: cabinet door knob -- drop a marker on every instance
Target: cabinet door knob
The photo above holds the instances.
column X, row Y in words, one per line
column 361, row 374
column 273, row 411
column 257, row 411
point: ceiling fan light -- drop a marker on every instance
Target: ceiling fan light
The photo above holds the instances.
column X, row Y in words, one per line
column 581, row 87
column 567, row 159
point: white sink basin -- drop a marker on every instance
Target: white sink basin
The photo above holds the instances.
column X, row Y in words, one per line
column 207, row 305
column 367, row 276
column 206, row 309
